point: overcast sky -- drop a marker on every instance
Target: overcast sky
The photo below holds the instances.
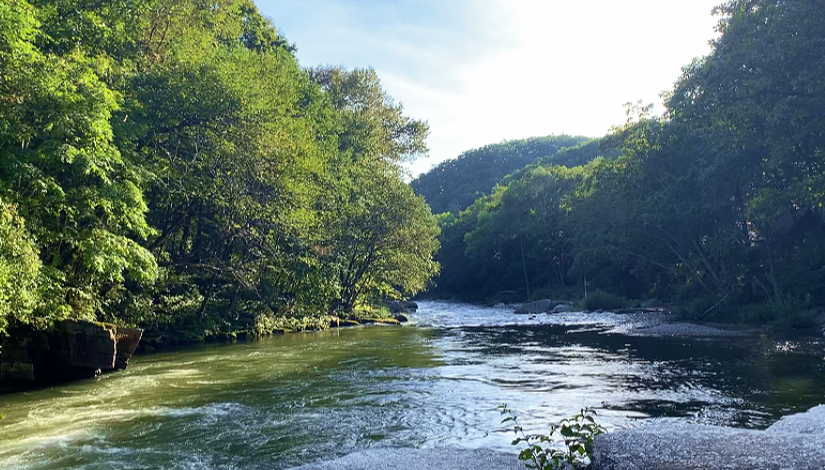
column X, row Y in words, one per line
column 483, row 71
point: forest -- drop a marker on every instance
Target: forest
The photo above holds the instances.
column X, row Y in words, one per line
column 715, row 206
column 168, row 164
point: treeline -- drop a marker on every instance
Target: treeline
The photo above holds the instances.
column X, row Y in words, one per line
column 168, row 164
column 454, row 185
column 717, row 205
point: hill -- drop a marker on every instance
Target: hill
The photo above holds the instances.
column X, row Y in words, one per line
column 454, row 185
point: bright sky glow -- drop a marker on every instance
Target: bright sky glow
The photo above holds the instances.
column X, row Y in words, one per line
column 483, row 71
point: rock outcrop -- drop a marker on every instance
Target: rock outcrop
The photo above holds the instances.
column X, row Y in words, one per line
column 70, row 350
column 794, row 443
column 439, row 458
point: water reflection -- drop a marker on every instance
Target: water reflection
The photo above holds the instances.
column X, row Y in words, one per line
column 297, row 398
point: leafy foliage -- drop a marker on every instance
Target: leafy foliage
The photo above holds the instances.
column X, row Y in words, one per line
column 543, row 452
column 453, row 185
column 19, row 269
column 168, row 164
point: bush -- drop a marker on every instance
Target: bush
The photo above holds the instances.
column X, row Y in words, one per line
column 576, row 434
column 793, row 313
column 706, row 307
column 789, row 314
column 600, row 300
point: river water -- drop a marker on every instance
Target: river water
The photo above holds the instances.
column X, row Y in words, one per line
column 298, row 398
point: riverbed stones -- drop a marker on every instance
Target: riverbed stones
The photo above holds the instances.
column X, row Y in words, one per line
column 442, row 458
column 795, row 443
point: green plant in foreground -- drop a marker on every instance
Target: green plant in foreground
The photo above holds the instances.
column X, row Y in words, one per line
column 543, row 452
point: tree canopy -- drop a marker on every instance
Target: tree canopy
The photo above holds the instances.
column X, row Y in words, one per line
column 168, row 164
column 453, row 185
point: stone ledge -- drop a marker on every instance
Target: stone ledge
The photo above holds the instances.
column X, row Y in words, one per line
column 794, row 443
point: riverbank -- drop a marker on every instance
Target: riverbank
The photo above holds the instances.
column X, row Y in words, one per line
column 682, row 320
column 72, row 350
column 169, row 337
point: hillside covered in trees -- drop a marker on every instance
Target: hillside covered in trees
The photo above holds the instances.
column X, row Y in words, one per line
column 454, row 185
column 168, row 164
column 716, row 205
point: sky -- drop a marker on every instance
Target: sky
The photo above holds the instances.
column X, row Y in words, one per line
column 485, row 71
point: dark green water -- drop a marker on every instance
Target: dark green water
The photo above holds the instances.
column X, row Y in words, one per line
column 294, row 399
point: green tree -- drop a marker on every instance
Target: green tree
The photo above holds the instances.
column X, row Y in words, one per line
column 19, row 269
column 382, row 238
column 58, row 164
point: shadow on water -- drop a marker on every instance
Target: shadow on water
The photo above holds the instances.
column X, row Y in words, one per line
column 293, row 399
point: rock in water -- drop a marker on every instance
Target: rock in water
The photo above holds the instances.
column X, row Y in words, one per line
column 401, row 306
column 539, row 306
column 794, row 443
column 562, row 308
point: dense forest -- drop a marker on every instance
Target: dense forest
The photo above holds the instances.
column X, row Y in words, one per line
column 454, row 185
column 717, row 205
column 168, row 164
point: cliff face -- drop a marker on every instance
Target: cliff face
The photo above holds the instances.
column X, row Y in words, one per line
column 70, row 350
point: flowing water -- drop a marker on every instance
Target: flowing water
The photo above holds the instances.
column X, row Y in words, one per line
column 298, row 398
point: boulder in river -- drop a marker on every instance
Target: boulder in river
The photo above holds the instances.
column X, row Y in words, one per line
column 562, row 308
column 401, row 306
column 539, row 306
column 794, row 443
column 71, row 349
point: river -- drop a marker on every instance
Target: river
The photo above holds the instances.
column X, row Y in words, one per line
column 293, row 399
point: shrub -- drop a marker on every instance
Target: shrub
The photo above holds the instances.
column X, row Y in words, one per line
column 543, row 452
column 600, row 300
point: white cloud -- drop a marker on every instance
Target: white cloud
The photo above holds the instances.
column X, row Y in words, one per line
column 487, row 70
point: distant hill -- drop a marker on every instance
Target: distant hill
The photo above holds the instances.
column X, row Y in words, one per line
column 454, row 185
